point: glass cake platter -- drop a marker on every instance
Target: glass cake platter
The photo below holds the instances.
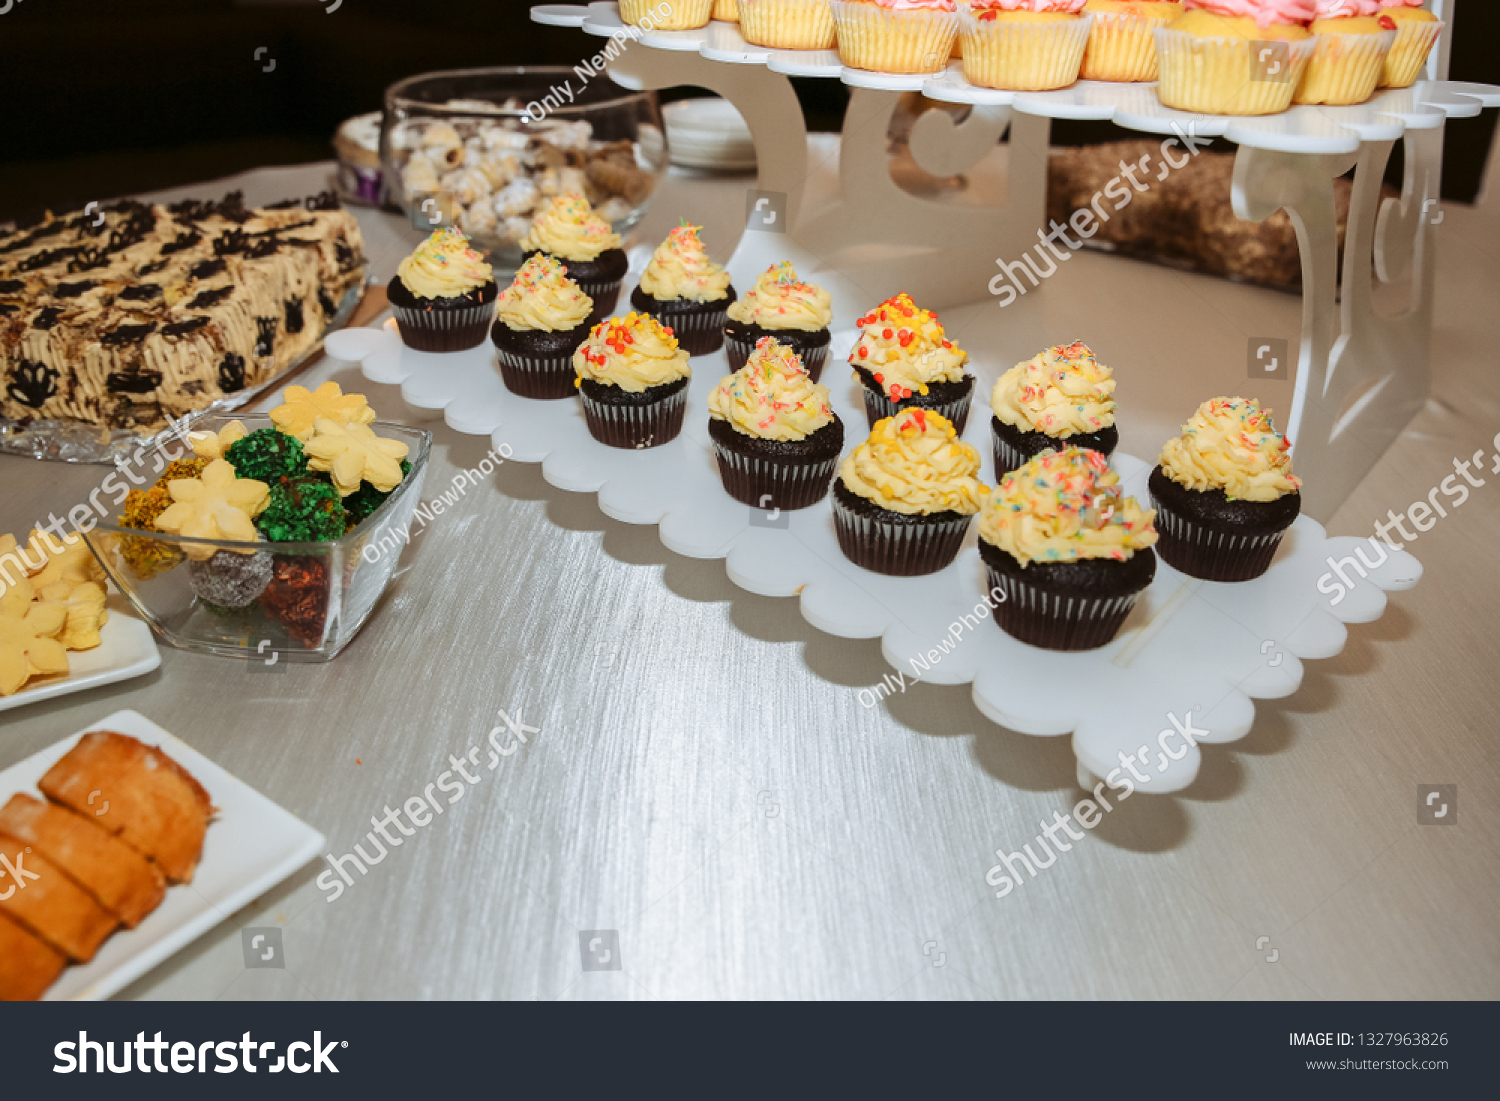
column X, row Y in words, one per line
column 71, row 441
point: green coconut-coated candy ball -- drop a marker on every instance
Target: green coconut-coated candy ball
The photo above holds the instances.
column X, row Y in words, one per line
column 266, row 455
column 363, row 502
column 302, row 510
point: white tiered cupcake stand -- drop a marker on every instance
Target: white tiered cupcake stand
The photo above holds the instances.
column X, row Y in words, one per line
column 1190, row 647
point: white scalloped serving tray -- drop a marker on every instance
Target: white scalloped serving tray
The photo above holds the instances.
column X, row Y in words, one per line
column 1203, row 647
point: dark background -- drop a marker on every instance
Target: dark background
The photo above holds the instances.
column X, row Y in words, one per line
column 111, row 97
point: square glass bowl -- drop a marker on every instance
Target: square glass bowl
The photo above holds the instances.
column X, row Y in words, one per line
column 318, row 596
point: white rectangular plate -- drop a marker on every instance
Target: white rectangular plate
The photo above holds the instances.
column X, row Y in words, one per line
column 126, row 649
column 252, row 845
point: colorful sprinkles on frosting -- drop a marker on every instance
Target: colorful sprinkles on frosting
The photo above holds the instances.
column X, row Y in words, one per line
column 574, row 210
column 1072, row 364
column 898, row 328
column 1066, row 501
column 617, row 334
column 771, row 375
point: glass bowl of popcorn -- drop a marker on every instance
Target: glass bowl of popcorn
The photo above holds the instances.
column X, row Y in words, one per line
column 482, row 149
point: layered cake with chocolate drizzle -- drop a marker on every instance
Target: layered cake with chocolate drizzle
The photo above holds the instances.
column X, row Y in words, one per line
column 127, row 314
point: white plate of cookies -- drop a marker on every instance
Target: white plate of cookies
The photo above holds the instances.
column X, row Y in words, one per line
column 61, row 630
column 119, row 846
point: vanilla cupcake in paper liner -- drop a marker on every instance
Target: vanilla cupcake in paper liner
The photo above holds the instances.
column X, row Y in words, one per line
column 1023, row 45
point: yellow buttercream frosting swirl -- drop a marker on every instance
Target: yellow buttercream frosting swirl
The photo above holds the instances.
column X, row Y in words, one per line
column 444, row 266
column 1231, row 444
column 634, row 352
column 1063, row 506
column 771, row 397
column 913, row 463
column 779, row 300
column 567, row 227
column 680, row 268
column 1062, row 392
column 543, row 297
column 905, row 348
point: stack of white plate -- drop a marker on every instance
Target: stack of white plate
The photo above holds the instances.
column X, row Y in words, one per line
column 708, row 133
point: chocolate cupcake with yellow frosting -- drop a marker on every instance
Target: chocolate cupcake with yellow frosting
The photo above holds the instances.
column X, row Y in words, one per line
column 775, row 434
column 1069, row 553
column 633, row 380
column 904, row 498
column 1056, row 399
column 797, row 314
column 443, row 295
column 1225, row 492
column 540, row 320
column 567, row 229
column 686, row 291
column 905, row 361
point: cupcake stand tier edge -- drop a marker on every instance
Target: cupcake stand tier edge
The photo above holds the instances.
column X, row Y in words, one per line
column 1199, row 651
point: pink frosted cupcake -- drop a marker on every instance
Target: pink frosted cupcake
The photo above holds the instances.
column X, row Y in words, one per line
column 1023, row 45
column 1417, row 31
column 895, row 36
column 1352, row 44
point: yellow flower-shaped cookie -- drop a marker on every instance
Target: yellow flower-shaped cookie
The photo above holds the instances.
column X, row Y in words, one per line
column 83, row 605
column 27, row 649
column 214, row 505
column 17, row 592
column 212, row 445
column 353, row 454
column 65, row 559
column 302, row 409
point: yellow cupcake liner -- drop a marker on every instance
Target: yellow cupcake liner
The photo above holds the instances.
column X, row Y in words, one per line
column 1122, row 47
column 1219, row 76
column 885, row 41
column 666, row 15
column 1414, row 41
column 726, row 11
column 1344, row 68
column 1021, row 55
column 787, row 24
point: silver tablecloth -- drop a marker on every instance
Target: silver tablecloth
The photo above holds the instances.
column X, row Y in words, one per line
column 705, row 783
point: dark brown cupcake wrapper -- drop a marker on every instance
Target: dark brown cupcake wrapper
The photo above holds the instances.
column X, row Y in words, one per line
column 878, row 407
column 606, row 296
column 738, row 351
column 699, row 334
column 635, row 427
column 898, row 549
column 444, row 330
column 1056, row 622
column 1009, row 457
column 766, row 483
column 544, row 377
column 1200, row 551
